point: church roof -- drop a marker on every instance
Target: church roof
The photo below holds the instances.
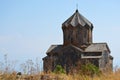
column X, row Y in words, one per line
column 94, row 47
column 97, row 47
column 77, row 19
column 58, row 48
column 54, row 48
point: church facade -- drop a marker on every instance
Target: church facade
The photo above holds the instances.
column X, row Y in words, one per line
column 78, row 47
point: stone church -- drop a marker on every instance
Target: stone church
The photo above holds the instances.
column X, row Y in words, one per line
column 78, row 47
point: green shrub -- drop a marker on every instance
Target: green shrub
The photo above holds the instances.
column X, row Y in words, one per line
column 90, row 69
column 59, row 69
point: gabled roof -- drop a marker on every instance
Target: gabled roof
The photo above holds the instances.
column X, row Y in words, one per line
column 77, row 48
column 59, row 48
column 94, row 47
column 97, row 47
column 54, row 48
column 77, row 19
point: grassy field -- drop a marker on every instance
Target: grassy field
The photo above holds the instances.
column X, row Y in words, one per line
column 31, row 71
column 52, row 76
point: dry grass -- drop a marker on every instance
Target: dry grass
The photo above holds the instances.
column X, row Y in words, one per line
column 31, row 71
column 52, row 76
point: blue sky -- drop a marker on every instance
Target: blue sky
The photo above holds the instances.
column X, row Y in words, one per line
column 29, row 27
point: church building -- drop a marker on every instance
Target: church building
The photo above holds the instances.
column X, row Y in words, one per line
column 78, row 47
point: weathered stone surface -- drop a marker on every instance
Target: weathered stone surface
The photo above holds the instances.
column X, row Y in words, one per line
column 78, row 48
